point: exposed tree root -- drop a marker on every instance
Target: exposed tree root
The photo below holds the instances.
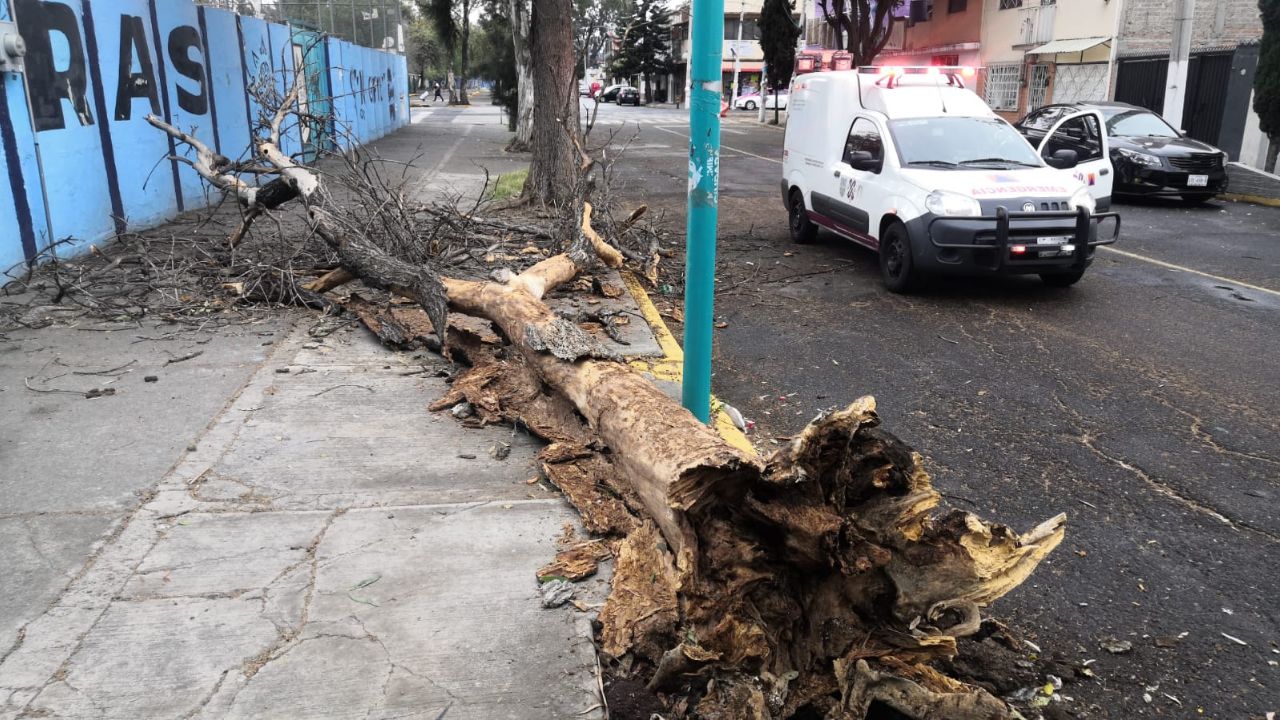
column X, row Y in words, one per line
column 820, row 579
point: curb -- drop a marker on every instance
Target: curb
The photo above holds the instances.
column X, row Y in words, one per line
column 1255, row 199
column 670, row 367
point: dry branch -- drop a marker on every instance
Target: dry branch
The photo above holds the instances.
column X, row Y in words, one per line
column 818, row 580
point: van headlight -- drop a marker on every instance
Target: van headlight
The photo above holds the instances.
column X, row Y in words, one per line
column 1082, row 199
column 941, row 202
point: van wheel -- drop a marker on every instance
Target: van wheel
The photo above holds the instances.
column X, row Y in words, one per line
column 897, row 268
column 1066, row 279
column 751, row 105
column 803, row 231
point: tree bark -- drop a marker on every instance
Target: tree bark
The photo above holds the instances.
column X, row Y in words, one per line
column 465, row 59
column 815, row 581
column 555, row 117
column 524, row 76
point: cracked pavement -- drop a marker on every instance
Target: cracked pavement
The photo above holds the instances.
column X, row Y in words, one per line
column 320, row 550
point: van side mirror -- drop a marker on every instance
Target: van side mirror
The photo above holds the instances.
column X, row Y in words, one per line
column 862, row 160
column 1063, row 159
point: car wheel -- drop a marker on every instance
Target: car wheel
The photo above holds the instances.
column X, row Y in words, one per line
column 1065, row 279
column 803, row 231
column 751, row 105
column 897, row 268
column 1194, row 199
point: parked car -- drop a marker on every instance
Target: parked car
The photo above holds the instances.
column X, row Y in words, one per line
column 751, row 101
column 628, row 96
column 1150, row 156
column 610, row 94
column 914, row 166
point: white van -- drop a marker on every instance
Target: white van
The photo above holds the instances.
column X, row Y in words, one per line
column 908, row 162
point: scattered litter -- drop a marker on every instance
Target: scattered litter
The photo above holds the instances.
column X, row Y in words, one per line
column 1089, row 504
column 1175, row 700
column 282, row 371
column 735, row 416
column 1116, row 647
column 363, row 584
column 467, row 456
column 1032, row 645
column 151, row 378
column 500, row 451
column 462, row 410
column 953, row 342
column 183, row 358
column 556, row 593
column 722, row 325
column 1234, row 639
column 100, row 392
column 1229, row 611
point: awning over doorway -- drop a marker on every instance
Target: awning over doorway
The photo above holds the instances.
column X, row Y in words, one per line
column 744, row 67
column 1068, row 46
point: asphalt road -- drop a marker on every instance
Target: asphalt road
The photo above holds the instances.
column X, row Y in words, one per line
column 1141, row 402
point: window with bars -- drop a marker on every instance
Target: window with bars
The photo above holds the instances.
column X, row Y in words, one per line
column 1001, row 91
column 1010, row 4
column 1038, row 90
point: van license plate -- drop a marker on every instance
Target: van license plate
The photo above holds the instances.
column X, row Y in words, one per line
column 1054, row 240
column 1197, row 180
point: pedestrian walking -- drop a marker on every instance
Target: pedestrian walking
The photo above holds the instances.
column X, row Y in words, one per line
column 438, row 95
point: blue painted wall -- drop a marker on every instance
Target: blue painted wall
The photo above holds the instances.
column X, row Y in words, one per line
column 97, row 68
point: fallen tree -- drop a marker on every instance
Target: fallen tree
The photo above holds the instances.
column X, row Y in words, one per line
column 818, row 582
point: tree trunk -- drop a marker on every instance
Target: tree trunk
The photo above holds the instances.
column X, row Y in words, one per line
column 815, row 582
column 524, row 76
column 465, row 54
column 449, row 80
column 555, row 118
column 1273, row 149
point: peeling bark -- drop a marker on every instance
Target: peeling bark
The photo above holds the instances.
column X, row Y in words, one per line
column 820, row 578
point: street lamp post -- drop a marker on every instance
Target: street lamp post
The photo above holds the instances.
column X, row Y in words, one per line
column 707, row 38
column 737, row 50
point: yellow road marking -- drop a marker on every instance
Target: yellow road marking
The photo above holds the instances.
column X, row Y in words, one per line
column 1180, row 268
column 670, row 366
column 1256, row 199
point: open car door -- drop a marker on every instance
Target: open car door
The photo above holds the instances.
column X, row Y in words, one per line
column 1085, row 132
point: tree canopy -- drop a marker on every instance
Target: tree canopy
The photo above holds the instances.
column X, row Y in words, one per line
column 862, row 27
column 644, row 39
column 1266, row 84
column 778, row 34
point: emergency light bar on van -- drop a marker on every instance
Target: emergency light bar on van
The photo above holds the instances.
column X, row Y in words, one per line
column 890, row 75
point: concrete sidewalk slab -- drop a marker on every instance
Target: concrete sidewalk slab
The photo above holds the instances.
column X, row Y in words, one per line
column 75, row 468
column 323, row 552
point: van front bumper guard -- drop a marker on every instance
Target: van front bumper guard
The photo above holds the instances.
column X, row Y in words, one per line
column 1015, row 229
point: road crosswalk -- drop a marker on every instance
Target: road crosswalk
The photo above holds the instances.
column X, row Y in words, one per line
column 607, row 115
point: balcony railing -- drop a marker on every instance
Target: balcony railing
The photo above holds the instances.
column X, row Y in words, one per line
column 1037, row 24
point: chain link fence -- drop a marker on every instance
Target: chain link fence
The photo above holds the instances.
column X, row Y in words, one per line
column 371, row 23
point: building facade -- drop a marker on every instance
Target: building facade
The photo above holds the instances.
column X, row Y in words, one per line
column 1037, row 52
column 1218, row 95
column 741, row 50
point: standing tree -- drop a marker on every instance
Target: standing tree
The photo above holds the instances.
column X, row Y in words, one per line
column 553, row 170
column 518, row 18
column 497, row 62
column 425, row 54
column 645, row 43
column 861, row 27
column 1266, row 84
column 778, row 33
column 595, row 20
column 452, row 22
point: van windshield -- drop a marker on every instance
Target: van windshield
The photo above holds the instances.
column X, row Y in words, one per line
column 961, row 142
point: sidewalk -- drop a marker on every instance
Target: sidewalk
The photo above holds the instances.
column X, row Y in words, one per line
column 1252, row 185
column 277, row 527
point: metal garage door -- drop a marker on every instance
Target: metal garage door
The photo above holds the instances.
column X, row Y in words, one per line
column 1080, row 82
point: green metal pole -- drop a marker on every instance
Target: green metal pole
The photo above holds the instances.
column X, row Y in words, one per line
column 707, row 38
